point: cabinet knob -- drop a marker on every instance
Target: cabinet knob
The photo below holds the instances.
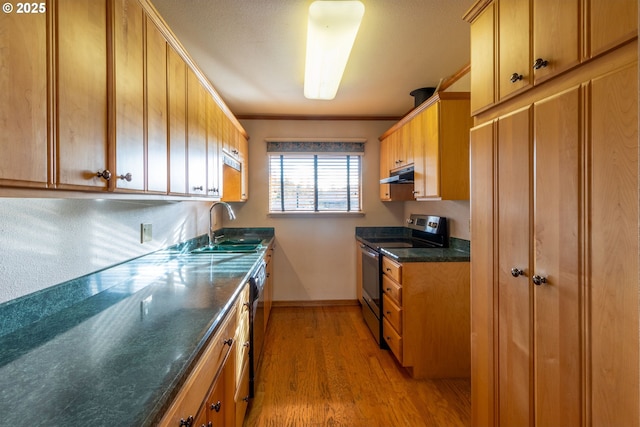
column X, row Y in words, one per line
column 216, row 406
column 105, row 174
column 540, row 63
column 515, row 77
column 246, row 398
column 515, row 272
column 186, row 423
column 212, row 190
column 198, row 188
column 246, row 344
column 228, row 341
column 538, row 280
column 126, row 177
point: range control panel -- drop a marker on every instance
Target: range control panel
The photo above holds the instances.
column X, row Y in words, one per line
column 427, row 223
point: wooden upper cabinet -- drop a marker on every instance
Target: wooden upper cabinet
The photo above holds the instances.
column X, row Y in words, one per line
column 556, row 37
column 446, row 124
column 514, row 69
column 177, row 105
column 81, row 131
column 537, row 40
column 243, row 149
column 156, row 109
column 611, row 23
column 196, row 135
column 128, row 46
column 482, row 56
column 24, row 107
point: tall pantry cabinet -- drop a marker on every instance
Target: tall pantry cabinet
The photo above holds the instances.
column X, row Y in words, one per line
column 554, row 231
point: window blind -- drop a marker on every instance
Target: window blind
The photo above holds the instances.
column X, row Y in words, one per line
column 301, row 182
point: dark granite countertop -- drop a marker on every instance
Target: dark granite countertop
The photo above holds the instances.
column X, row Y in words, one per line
column 119, row 356
column 458, row 250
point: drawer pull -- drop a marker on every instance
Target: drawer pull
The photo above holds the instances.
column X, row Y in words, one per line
column 228, row 341
column 246, row 398
column 246, row 344
column 216, row 406
column 515, row 77
column 515, row 272
column 538, row 280
column 186, row 423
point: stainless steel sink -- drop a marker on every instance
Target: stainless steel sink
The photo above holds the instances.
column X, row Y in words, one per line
column 227, row 248
column 239, row 242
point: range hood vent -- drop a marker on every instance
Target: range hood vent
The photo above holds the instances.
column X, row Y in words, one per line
column 399, row 176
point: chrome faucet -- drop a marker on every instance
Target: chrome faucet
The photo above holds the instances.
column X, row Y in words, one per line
column 232, row 216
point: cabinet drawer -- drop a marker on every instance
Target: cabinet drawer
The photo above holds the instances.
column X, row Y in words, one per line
column 392, row 269
column 392, row 338
column 392, row 289
column 392, row 313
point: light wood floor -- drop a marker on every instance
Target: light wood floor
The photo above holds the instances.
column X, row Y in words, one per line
column 322, row 367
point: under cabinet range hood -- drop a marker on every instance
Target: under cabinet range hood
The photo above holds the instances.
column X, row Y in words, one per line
column 399, row 176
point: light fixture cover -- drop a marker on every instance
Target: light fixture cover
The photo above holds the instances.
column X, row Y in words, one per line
column 331, row 31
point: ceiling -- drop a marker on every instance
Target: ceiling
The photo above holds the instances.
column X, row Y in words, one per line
column 253, row 52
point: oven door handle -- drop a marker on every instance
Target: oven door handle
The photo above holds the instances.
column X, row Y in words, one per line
column 368, row 252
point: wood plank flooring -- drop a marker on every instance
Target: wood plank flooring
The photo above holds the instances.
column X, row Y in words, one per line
column 322, row 367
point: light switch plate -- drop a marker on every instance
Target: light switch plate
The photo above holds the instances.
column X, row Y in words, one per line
column 145, row 233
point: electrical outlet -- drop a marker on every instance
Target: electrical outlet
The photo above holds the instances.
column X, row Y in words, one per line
column 145, row 233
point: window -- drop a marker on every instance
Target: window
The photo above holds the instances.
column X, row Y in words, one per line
column 326, row 181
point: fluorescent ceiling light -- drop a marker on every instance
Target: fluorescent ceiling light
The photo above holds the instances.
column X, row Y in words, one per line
column 332, row 29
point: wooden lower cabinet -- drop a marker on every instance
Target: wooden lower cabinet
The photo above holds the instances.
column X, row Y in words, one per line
column 426, row 317
column 555, row 301
column 208, row 395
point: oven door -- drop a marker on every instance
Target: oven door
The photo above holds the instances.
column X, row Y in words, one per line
column 371, row 290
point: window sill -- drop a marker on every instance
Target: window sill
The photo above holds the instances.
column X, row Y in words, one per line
column 315, row 214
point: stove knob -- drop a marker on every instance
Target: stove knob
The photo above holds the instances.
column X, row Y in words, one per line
column 409, row 221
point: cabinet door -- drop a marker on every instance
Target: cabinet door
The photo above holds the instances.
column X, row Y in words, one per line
column 556, row 37
column 156, row 112
column 23, row 110
column 482, row 275
column 483, row 60
column 515, row 291
column 613, row 259
column 197, row 135
column 128, row 81
column 432, row 151
column 418, row 130
column 81, row 142
column 243, row 153
column 611, row 23
column 514, row 56
column 385, row 190
column 214, row 164
column 177, row 105
column 557, row 241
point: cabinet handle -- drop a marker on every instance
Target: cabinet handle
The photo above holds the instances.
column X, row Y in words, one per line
column 126, row 177
column 415, row 192
column 186, row 423
column 228, row 341
column 198, row 188
column 216, row 406
column 515, row 272
column 212, row 190
column 246, row 398
column 246, row 344
column 105, row 174
column 540, row 63
column 515, row 77
column 388, row 289
column 247, row 305
column 388, row 312
column 538, row 280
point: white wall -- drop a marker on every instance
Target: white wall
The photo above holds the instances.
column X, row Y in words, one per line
column 44, row 242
